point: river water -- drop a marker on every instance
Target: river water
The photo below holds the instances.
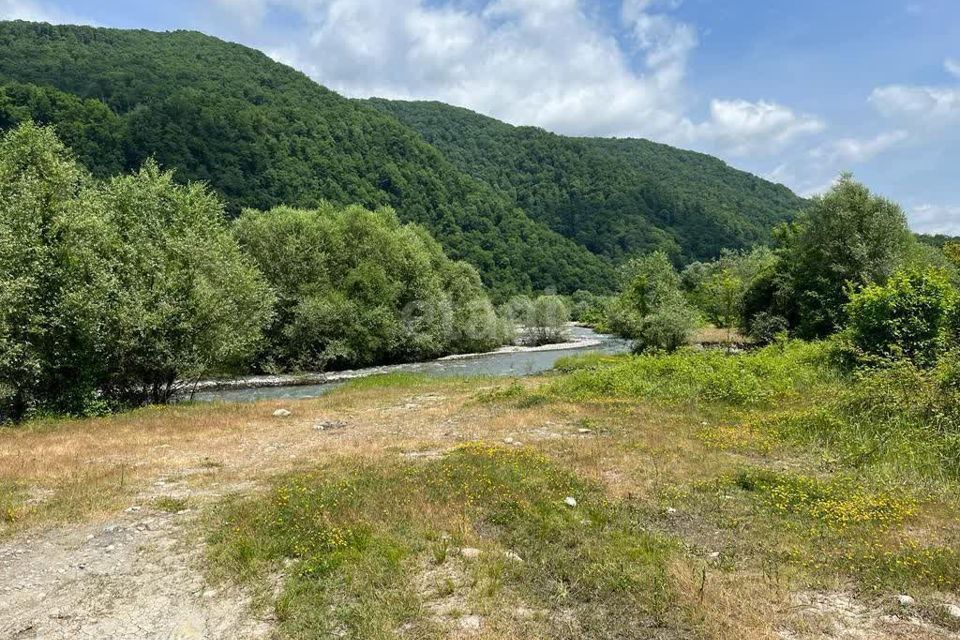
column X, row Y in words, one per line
column 494, row 364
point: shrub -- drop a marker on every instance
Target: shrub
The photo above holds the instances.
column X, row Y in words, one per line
column 187, row 301
column 764, row 327
column 668, row 328
column 651, row 310
column 906, row 317
column 546, row 321
column 356, row 287
column 53, row 284
column 112, row 292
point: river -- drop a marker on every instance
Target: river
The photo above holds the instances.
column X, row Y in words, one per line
column 515, row 363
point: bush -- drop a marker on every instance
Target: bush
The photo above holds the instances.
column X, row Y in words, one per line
column 764, row 327
column 187, row 301
column 111, row 293
column 668, row 328
column 546, row 321
column 651, row 310
column 53, row 284
column 908, row 317
column 356, row 287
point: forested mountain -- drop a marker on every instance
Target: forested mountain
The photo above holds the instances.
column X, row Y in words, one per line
column 264, row 135
column 617, row 197
column 530, row 209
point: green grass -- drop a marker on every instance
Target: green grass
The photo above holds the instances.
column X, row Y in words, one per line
column 12, row 498
column 358, row 544
column 170, row 504
column 758, row 378
column 873, row 457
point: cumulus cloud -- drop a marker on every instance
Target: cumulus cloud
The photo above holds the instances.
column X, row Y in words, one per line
column 29, row 10
column 934, row 218
column 756, row 127
column 952, row 66
column 856, row 150
column 929, row 105
column 36, row 12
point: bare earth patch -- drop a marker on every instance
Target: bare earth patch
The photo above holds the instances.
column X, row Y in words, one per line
column 131, row 577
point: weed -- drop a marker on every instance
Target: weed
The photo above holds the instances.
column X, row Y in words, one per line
column 170, row 504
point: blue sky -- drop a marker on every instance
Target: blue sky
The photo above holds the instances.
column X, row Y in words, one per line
column 793, row 91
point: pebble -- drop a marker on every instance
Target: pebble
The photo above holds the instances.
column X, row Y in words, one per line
column 470, row 552
column 952, row 610
column 329, row 424
column 905, row 600
column 470, row 623
column 583, row 431
column 570, row 501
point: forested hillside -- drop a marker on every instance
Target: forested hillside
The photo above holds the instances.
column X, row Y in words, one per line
column 532, row 210
column 617, row 197
column 264, row 135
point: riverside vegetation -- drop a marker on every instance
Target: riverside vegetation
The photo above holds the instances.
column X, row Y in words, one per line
column 117, row 292
column 794, row 490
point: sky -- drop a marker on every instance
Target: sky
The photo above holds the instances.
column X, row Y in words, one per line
column 796, row 92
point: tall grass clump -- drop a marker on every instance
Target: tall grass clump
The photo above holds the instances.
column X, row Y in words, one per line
column 899, row 421
column 755, row 378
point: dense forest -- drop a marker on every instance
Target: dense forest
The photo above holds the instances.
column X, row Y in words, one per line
column 264, row 135
column 617, row 197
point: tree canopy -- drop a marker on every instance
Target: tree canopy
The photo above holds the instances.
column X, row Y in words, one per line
column 112, row 292
column 618, row 197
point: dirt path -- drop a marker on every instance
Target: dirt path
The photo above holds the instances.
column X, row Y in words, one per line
column 133, row 577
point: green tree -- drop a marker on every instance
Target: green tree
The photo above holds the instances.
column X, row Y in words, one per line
column 356, row 287
column 651, row 309
column 186, row 301
column 112, row 292
column 546, row 320
column 52, row 282
column 847, row 239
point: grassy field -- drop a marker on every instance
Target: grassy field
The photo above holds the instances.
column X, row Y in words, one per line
column 695, row 495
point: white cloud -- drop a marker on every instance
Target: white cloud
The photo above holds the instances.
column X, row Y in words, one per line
column 249, row 13
column 25, row 10
column 933, row 218
column 924, row 105
column 855, row 150
column 806, row 180
column 756, row 127
column 952, row 66
column 37, row 12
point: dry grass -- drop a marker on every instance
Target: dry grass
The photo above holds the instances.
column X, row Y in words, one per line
column 666, row 461
column 711, row 335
